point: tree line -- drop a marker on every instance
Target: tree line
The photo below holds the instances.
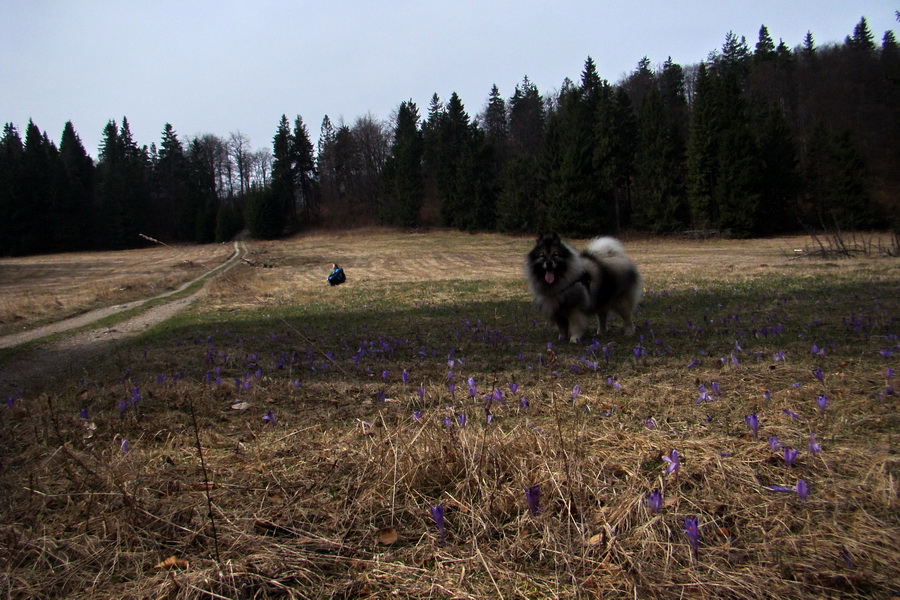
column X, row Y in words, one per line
column 752, row 141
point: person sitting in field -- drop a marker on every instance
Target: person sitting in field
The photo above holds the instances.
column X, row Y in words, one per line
column 337, row 276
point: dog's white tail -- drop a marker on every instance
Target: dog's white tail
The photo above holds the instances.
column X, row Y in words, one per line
column 606, row 246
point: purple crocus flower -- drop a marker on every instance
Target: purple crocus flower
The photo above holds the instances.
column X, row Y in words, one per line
column 437, row 513
column 404, row 376
column 814, row 446
column 575, row 391
column 461, row 419
column 774, row 444
column 654, row 501
column 791, row 414
column 385, row 376
column 767, row 395
column 822, row 401
column 692, row 529
column 125, row 446
column 753, row 422
column 513, row 388
column 269, row 418
column 417, row 415
column 802, row 489
column 673, row 462
column 84, row 414
column 845, row 556
column 790, row 455
column 779, row 488
column 817, row 373
column 703, row 396
column 533, row 496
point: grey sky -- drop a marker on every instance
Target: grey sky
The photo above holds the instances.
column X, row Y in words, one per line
column 221, row 66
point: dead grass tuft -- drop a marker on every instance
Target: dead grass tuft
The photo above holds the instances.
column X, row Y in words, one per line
column 301, row 509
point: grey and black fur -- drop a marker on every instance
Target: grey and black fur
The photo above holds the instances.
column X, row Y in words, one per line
column 569, row 287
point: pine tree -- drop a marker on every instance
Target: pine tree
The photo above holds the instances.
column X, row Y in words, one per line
column 454, row 136
column 765, row 47
column 495, row 124
column 11, row 151
column 273, row 211
column 577, row 202
column 862, row 39
column 779, row 182
column 78, row 189
column 660, row 200
column 518, row 201
column 304, row 168
column 175, row 211
column 701, row 151
column 215, row 221
column 402, row 178
column 123, row 188
column 42, row 222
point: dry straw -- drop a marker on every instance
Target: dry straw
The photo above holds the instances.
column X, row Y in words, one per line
column 333, row 496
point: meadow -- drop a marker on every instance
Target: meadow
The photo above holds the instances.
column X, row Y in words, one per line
column 418, row 432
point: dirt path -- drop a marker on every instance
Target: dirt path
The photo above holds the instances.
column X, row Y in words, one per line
column 52, row 361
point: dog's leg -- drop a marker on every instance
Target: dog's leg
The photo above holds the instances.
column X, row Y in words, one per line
column 578, row 323
column 601, row 322
column 628, row 318
column 563, row 326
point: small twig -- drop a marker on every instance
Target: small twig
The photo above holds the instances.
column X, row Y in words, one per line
column 206, row 485
column 154, row 240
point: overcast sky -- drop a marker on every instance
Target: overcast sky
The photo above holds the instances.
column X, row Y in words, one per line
column 221, row 66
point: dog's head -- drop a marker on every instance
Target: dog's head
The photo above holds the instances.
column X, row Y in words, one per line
column 549, row 259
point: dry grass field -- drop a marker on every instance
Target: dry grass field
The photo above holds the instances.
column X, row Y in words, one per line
column 35, row 290
column 419, row 433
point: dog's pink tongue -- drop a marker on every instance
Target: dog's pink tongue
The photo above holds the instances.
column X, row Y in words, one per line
column 549, row 278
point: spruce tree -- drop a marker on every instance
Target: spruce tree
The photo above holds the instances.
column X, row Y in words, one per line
column 701, row 152
column 519, row 182
column 42, row 223
column 862, row 39
column 495, row 123
column 765, row 47
column 779, row 182
column 78, row 189
column 11, row 201
column 402, row 177
column 660, row 200
column 304, row 168
column 273, row 211
column 176, row 209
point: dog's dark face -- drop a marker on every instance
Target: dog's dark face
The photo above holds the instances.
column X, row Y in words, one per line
column 550, row 259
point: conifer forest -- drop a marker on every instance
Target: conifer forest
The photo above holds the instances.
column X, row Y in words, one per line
column 756, row 140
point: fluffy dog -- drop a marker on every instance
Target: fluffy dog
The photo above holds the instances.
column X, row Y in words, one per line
column 569, row 286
